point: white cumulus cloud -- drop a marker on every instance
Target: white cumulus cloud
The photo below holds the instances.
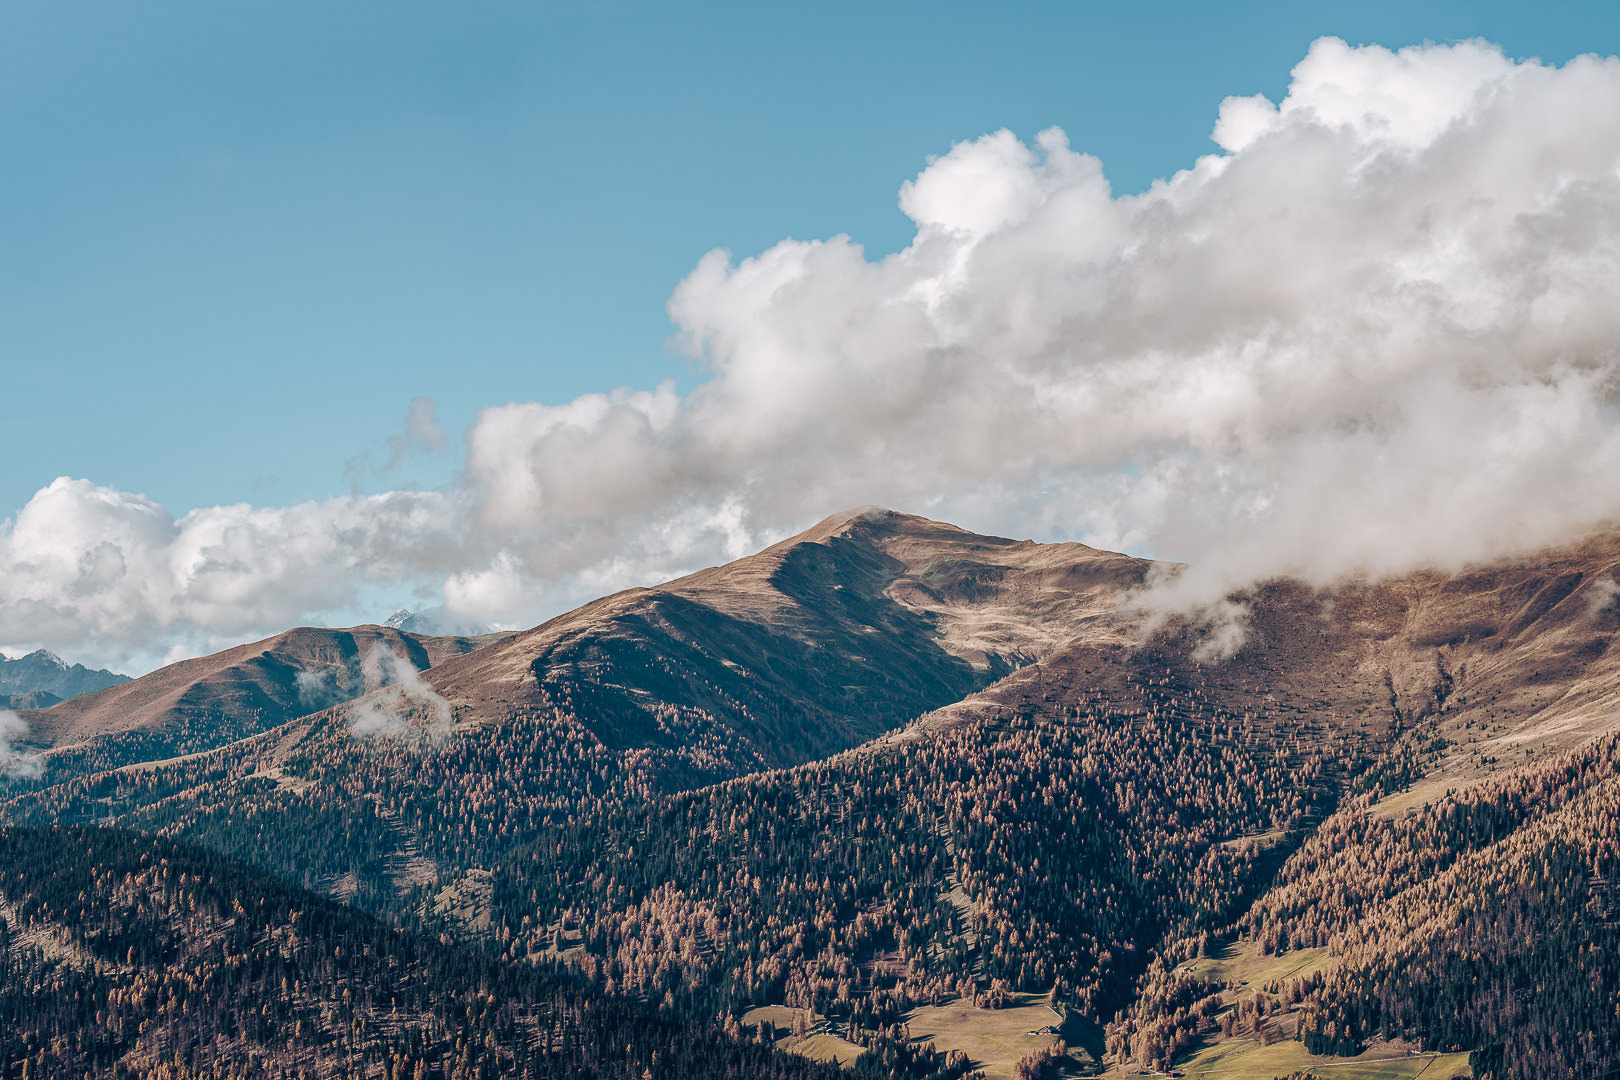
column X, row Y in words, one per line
column 1377, row 328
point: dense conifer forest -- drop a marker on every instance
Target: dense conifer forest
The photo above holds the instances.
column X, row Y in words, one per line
column 1082, row 839
column 134, row 957
column 1486, row 921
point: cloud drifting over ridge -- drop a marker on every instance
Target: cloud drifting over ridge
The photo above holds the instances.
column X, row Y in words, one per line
column 1377, row 330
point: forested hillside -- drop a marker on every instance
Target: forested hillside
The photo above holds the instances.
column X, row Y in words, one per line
column 126, row 956
column 889, row 767
column 1484, row 921
column 1043, row 848
column 1493, row 924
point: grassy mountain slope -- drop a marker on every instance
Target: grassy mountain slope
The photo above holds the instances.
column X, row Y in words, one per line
column 198, row 704
column 814, row 645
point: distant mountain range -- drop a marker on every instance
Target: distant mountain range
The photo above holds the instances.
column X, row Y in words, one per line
column 884, row 792
column 42, row 679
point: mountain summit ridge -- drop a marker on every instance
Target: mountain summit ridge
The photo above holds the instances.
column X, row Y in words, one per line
column 846, row 629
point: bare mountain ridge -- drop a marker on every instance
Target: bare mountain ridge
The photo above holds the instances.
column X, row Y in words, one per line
column 208, row 701
column 816, row 643
column 870, row 619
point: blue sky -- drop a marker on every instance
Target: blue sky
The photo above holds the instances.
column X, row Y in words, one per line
column 1304, row 289
column 240, row 238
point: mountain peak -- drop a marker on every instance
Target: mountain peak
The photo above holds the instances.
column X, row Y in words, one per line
column 412, row 622
column 43, row 670
column 876, row 521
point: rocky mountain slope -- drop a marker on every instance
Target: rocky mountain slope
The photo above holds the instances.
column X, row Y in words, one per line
column 43, row 672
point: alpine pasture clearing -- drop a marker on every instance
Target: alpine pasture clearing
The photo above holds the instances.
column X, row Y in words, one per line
column 1244, row 1059
column 993, row 1038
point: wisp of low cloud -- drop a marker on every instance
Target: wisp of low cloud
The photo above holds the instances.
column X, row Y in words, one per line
column 399, row 704
column 1375, row 330
column 1600, row 596
column 14, row 762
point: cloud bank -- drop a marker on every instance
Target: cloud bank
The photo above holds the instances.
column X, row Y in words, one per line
column 1378, row 329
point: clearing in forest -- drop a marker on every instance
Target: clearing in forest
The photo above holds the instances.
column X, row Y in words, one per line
column 1244, row 1059
column 993, row 1038
column 820, row 1044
